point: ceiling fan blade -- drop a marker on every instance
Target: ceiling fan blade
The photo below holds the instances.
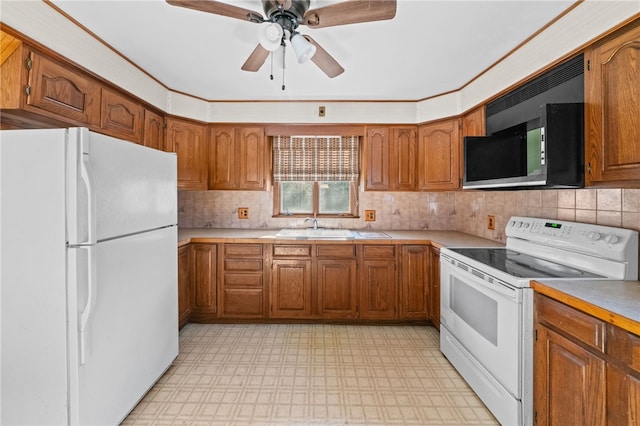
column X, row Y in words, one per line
column 256, row 59
column 324, row 61
column 350, row 12
column 219, row 8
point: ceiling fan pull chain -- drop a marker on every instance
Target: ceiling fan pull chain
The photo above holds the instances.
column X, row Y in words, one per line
column 271, row 56
column 284, row 51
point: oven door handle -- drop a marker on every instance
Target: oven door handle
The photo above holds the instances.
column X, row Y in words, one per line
column 497, row 286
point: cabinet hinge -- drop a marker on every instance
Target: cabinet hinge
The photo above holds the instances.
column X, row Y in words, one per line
column 589, row 168
column 588, row 65
column 536, row 337
column 28, row 63
column 27, row 90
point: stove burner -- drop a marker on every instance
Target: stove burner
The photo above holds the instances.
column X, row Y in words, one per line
column 522, row 265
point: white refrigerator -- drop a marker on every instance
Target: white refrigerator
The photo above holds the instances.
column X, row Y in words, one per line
column 88, row 275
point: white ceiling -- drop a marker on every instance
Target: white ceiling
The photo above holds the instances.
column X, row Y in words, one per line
column 429, row 48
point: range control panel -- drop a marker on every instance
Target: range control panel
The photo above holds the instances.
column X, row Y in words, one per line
column 605, row 241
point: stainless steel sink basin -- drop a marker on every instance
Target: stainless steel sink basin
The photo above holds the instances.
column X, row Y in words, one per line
column 315, row 234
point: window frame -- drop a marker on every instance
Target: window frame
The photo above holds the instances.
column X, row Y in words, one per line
column 353, row 203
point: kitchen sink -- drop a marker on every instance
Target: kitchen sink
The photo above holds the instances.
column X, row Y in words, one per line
column 315, row 234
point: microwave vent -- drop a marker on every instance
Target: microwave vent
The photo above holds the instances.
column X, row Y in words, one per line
column 553, row 78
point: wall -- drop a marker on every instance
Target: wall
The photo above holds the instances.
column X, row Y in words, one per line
column 464, row 211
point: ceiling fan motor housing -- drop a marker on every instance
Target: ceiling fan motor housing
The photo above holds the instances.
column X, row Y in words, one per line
column 287, row 13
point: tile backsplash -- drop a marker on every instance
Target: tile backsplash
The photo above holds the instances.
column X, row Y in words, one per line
column 464, row 211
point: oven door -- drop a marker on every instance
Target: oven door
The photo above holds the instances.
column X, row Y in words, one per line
column 485, row 319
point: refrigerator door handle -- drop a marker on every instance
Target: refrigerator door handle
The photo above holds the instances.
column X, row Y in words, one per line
column 87, row 312
column 85, row 177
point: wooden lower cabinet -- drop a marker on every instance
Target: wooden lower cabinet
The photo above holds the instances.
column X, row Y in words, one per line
column 586, row 371
column 291, row 276
column 242, row 284
column 414, row 282
column 184, row 285
column 336, row 268
column 378, row 282
column 434, row 286
column 204, row 279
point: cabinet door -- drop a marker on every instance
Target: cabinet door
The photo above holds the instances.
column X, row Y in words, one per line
column 403, row 158
column 121, row 116
column 336, row 280
column 434, row 286
column 251, row 155
column 473, row 123
column 377, row 159
column 378, row 287
column 439, row 155
column 222, row 158
column 188, row 141
column 291, row 288
column 204, row 278
column 612, row 90
column 414, row 284
column 569, row 382
column 153, row 135
column 66, row 93
column 184, row 285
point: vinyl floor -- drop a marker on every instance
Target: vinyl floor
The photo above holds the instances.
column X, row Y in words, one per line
column 310, row 374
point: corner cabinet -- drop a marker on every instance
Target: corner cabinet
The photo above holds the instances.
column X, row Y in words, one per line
column 237, row 158
column 612, row 91
column 189, row 141
column 439, row 151
column 153, row 130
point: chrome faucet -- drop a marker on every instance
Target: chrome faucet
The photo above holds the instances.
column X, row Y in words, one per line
column 315, row 222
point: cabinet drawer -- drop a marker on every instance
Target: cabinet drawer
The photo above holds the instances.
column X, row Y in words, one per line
column 624, row 346
column 378, row 252
column 292, row 250
column 243, row 303
column 243, row 280
column 243, row 264
column 581, row 326
column 242, row 250
column 336, row 250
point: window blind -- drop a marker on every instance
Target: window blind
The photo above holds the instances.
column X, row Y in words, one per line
column 316, row 158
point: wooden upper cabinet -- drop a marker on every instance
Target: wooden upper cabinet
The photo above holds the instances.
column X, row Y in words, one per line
column 121, row 116
column 474, row 123
column 402, row 165
column 40, row 92
column 189, row 141
column 377, row 159
column 237, row 158
column 153, row 135
column 612, row 91
column 439, row 155
column 391, row 158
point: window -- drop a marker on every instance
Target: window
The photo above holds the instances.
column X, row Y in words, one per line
column 316, row 175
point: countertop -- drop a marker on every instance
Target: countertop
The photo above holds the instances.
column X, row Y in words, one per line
column 616, row 302
column 437, row 238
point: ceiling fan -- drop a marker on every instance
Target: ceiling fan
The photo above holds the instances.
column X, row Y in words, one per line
column 283, row 18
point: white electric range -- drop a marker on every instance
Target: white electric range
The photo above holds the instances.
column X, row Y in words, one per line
column 487, row 303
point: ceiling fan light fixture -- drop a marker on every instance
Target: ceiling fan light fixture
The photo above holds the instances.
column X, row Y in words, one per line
column 270, row 35
column 302, row 48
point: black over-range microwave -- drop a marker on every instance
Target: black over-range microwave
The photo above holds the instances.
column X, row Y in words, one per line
column 544, row 152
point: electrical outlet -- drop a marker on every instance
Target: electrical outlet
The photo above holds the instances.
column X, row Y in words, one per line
column 491, row 222
column 321, row 111
column 369, row 215
column 243, row 213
